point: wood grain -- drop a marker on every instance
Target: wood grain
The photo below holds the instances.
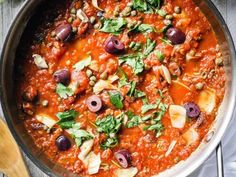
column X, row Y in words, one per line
column 9, row 8
column 11, row 161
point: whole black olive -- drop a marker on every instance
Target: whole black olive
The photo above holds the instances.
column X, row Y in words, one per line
column 63, row 143
column 94, row 103
column 175, row 35
column 123, row 157
column 62, row 76
column 113, row 45
column 64, row 32
column 193, row 111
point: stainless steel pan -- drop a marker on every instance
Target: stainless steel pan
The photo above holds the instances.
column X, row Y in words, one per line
column 28, row 15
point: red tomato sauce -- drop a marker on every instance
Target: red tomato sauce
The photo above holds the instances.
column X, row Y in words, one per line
column 194, row 66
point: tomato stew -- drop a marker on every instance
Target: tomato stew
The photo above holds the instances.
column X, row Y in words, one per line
column 120, row 88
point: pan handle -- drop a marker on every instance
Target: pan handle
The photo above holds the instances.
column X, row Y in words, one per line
column 219, row 158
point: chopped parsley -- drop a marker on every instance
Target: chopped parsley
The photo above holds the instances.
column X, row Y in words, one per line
column 133, row 60
column 66, row 119
column 143, row 28
column 109, row 143
column 135, row 46
column 114, row 26
column 123, row 78
column 139, row 94
column 132, row 89
column 160, row 93
column 166, row 41
column 78, row 134
column 146, row 107
column 133, row 120
column 157, row 125
column 146, row 6
column 116, row 99
column 63, row 91
column 149, row 47
column 110, row 126
column 133, row 92
column 160, row 56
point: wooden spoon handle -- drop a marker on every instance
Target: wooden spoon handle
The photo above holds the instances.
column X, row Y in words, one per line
column 18, row 169
column 11, row 160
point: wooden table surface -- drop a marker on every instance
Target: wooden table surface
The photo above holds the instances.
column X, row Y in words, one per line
column 9, row 8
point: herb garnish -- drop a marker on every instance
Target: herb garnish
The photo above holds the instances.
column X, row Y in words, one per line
column 78, row 134
column 110, row 126
column 132, row 89
column 149, row 47
column 133, row 120
column 114, row 26
column 63, row 91
column 116, row 99
column 133, row 92
column 160, row 56
column 146, row 107
column 135, row 46
column 143, row 28
column 157, row 125
column 166, row 41
column 146, row 6
column 123, row 78
column 133, row 60
column 66, row 119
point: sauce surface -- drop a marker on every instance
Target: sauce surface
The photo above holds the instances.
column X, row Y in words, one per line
column 159, row 92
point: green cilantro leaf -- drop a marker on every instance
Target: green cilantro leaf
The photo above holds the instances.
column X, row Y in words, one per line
column 146, row 6
column 134, row 121
column 145, row 28
column 155, row 3
column 133, row 60
column 158, row 128
column 132, row 89
column 139, row 94
column 66, row 119
column 146, row 107
column 110, row 126
column 135, row 46
column 166, row 41
column 160, row 56
column 67, row 124
column 157, row 125
column 149, row 47
column 109, row 143
column 114, row 26
column 79, row 135
column 123, row 78
column 140, row 5
column 116, row 99
column 160, row 93
column 63, row 91
column 143, row 6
